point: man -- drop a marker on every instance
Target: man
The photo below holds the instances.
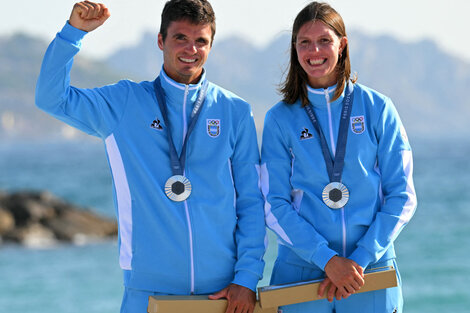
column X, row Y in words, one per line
column 184, row 161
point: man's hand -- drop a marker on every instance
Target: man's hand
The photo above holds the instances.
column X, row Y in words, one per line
column 240, row 299
column 88, row 16
column 345, row 275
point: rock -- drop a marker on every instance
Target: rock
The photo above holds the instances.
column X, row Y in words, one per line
column 7, row 222
column 29, row 207
column 71, row 223
column 41, row 219
column 33, row 236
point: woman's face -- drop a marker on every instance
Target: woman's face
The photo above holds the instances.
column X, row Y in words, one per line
column 318, row 50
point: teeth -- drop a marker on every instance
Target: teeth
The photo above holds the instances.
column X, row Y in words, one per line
column 188, row 60
column 316, row 62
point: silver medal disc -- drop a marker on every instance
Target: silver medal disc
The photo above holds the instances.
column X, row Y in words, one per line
column 178, row 188
column 335, row 195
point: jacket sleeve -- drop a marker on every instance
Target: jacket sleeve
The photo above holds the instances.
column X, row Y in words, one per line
column 395, row 163
column 250, row 233
column 94, row 111
column 281, row 216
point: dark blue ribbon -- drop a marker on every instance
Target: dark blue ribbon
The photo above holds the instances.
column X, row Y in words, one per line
column 177, row 163
column 335, row 167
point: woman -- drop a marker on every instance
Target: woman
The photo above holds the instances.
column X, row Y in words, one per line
column 336, row 172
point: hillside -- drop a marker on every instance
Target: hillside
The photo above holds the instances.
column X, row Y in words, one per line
column 426, row 85
column 20, row 61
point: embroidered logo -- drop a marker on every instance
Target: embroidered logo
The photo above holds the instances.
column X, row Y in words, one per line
column 357, row 124
column 213, row 127
column 156, row 125
column 305, row 134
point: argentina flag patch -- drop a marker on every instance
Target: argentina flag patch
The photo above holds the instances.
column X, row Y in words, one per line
column 213, row 127
column 358, row 124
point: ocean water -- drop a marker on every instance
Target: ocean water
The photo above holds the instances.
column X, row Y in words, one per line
column 433, row 250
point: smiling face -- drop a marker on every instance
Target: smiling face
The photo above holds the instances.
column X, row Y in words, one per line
column 318, row 49
column 185, row 50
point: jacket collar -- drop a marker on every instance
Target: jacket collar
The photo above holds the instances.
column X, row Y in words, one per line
column 320, row 97
column 169, row 84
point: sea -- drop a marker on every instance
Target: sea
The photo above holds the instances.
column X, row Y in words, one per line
column 433, row 250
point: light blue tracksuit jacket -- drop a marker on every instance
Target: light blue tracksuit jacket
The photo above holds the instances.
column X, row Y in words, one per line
column 200, row 245
column 377, row 172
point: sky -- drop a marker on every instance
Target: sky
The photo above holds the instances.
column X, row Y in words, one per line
column 260, row 21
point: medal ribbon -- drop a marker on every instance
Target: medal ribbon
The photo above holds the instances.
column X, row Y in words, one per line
column 335, row 167
column 177, row 163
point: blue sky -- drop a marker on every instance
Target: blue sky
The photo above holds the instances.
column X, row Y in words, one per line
column 257, row 20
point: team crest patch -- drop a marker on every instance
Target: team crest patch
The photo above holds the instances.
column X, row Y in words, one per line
column 357, row 124
column 213, row 127
column 305, row 134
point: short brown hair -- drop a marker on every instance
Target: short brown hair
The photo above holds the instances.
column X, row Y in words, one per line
column 195, row 11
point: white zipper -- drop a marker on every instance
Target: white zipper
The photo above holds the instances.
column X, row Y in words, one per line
column 186, row 207
column 343, row 220
column 185, row 122
column 191, row 252
column 333, row 148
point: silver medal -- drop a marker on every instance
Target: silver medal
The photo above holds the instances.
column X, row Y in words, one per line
column 335, row 195
column 178, row 188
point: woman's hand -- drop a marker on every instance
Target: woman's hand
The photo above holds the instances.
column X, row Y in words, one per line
column 344, row 277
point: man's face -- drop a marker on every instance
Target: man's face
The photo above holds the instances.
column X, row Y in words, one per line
column 185, row 50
